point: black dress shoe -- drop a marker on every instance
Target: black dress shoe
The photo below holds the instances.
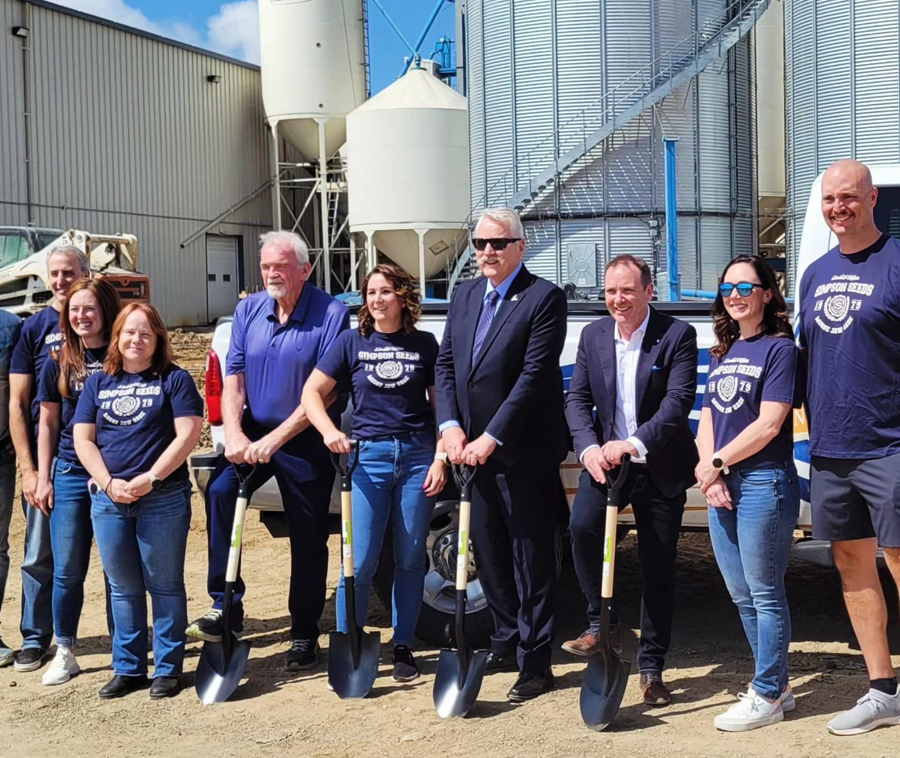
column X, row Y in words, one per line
column 164, row 686
column 500, row 663
column 122, row 685
column 529, row 686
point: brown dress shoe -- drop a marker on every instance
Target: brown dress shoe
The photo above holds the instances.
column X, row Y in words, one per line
column 655, row 692
column 589, row 643
column 586, row 645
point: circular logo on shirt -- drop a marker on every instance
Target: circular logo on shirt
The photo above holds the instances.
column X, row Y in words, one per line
column 727, row 387
column 125, row 406
column 389, row 370
column 837, row 307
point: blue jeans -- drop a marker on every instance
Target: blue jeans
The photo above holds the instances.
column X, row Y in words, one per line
column 37, row 580
column 7, row 494
column 142, row 547
column 752, row 543
column 387, row 486
column 71, row 534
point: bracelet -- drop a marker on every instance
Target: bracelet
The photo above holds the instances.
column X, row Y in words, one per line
column 106, row 488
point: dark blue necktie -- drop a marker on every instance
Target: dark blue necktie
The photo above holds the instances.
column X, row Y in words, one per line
column 484, row 322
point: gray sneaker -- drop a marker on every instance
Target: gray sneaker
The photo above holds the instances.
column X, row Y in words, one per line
column 7, row 655
column 872, row 710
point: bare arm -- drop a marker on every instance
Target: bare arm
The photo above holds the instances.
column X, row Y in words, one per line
column 318, row 394
column 85, row 438
column 757, row 434
column 234, row 397
column 436, row 478
column 20, row 431
column 187, row 435
column 48, row 444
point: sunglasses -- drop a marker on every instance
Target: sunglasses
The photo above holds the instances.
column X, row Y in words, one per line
column 745, row 289
column 498, row 243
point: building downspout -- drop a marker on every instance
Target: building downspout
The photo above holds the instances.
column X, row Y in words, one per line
column 28, row 101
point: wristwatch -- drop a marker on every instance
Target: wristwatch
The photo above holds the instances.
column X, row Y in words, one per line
column 718, row 464
column 443, row 458
column 155, row 481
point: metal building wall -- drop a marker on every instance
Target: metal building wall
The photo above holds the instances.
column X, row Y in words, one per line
column 842, row 65
column 534, row 65
column 128, row 135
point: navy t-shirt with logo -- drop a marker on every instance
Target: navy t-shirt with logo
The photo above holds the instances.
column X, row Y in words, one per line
column 850, row 321
column 48, row 392
column 135, row 417
column 40, row 336
column 388, row 376
column 762, row 368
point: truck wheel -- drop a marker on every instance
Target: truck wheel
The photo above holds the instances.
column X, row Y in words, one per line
column 439, row 601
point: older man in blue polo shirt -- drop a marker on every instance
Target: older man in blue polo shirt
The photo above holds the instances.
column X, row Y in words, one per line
column 277, row 338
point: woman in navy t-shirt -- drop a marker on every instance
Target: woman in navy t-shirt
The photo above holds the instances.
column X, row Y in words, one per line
column 85, row 322
column 135, row 424
column 747, row 474
column 388, row 367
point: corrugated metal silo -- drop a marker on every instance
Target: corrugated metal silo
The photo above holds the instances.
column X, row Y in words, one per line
column 842, row 65
column 533, row 67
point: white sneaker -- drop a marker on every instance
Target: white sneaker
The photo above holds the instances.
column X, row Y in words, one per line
column 63, row 667
column 787, row 700
column 751, row 711
column 872, row 710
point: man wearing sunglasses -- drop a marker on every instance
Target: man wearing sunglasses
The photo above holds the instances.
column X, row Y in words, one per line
column 500, row 407
column 850, row 325
column 639, row 370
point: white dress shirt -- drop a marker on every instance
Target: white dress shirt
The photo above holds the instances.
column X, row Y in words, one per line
column 628, row 352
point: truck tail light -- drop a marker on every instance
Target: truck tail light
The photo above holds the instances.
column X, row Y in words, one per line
column 214, row 386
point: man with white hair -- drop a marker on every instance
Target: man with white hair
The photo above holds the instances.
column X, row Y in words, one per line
column 40, row 336
column 500, row 406
column 277, row 338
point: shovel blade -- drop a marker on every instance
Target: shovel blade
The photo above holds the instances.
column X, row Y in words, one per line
column 457, row 682
column 217, row 677
column 348, row 681
column 602, row 689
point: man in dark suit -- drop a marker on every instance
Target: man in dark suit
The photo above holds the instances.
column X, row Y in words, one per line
column 639, row 369
column 500, row 406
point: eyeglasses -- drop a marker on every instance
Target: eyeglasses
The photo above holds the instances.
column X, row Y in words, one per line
column 498, row 243
column 745, row 289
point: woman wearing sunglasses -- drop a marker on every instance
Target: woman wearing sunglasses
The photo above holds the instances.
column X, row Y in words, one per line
column 747, row 474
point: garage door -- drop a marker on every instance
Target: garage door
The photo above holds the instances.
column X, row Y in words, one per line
column 221, row 275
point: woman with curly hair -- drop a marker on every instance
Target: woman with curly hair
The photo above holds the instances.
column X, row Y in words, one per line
column 388, row 367
column 747, row 474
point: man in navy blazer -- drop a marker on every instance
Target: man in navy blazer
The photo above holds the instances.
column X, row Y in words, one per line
column 639, row 369
column 500, row 406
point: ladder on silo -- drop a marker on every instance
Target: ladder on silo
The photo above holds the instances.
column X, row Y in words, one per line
column 615, row 109
column 636, row 94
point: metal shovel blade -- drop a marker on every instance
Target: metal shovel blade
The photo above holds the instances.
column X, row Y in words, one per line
column 351, row 682
column 218, row 677
column 602, row 689
column 457, row 681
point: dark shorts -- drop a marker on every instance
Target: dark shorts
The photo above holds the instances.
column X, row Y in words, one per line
column 856, row 499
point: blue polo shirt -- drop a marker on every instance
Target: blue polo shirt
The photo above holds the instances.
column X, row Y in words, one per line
column 40, row 336
column 276, row 359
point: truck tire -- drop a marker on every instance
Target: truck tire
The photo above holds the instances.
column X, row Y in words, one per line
column 436, row 617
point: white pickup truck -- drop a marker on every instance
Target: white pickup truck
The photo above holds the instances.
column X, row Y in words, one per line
column 439, row 588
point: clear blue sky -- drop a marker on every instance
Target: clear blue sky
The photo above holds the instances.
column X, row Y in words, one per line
column 228, row 26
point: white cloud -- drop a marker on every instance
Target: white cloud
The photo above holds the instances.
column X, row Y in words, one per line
column 234, row 30
column 122, row 13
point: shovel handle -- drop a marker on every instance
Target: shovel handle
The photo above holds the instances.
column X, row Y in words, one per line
column 462, row 544
column 245, row 484
column 616, row 484
column 346, row 472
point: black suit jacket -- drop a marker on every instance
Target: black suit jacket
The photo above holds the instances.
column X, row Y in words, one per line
column 514, row 392
column 665, row 386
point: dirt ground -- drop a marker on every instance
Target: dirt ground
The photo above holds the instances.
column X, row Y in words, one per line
column 276, row 714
